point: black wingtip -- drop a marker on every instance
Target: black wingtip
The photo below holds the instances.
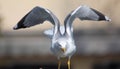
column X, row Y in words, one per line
column 107, row 19
column 19, row 26
column 15, row 27
column 101, row 16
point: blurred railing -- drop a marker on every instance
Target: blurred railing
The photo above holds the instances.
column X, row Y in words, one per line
column 89, row 42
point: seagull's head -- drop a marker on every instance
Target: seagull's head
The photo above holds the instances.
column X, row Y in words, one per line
column 62, row 46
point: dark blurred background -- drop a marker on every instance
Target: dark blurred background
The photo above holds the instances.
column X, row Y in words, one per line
column 98, row 43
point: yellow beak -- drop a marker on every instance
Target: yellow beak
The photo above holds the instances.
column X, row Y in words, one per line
column 63, row 49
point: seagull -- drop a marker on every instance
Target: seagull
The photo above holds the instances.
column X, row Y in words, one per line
column 63, row 45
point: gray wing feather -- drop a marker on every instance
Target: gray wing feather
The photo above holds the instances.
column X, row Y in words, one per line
column 86, row 13
column 36, row 16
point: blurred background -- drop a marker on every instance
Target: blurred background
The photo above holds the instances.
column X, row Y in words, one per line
column 98, row 43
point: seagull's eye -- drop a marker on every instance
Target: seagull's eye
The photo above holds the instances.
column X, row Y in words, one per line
column 59, row 46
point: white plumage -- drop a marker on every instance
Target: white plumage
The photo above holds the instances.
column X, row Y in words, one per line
column 63, row 44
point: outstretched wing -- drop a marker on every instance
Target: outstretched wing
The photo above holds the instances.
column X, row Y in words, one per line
column 84, row 13
column 36, row 16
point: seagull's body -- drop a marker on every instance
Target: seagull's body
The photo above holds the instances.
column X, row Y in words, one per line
column 63, row 44
column 67, row 44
